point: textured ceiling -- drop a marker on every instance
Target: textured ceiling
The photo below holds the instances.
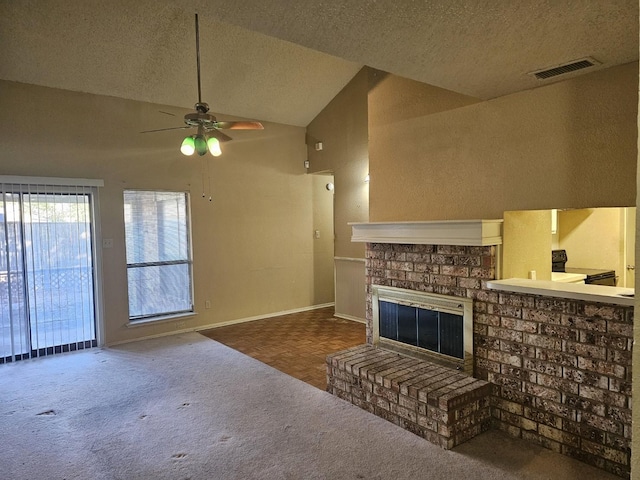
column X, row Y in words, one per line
column 283, row 61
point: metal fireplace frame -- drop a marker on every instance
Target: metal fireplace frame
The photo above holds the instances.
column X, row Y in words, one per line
column 426, row 301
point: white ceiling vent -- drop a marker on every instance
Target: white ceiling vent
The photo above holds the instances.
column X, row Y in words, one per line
column 565, row 68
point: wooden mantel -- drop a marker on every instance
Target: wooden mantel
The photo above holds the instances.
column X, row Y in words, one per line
column 475, row 233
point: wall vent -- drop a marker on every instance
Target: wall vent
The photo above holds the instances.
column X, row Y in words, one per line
column 565, row 68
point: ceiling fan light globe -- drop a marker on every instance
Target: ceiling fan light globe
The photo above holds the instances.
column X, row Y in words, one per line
column 200, row 145
column 214, row 147
column 188, row 146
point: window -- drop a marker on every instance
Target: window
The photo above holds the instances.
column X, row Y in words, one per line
column 158, row 253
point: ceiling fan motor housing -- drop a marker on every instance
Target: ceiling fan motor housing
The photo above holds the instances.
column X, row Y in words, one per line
column 200, row 119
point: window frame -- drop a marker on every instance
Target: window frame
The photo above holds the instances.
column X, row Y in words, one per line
column 169, row 315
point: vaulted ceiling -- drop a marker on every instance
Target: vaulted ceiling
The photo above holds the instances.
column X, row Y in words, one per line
column 283, row 60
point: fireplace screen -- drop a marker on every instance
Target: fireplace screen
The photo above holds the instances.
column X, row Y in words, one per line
column 424, row 324
column 432, row 330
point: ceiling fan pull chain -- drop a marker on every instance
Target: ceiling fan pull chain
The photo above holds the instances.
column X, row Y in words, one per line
column 209, row 177
column 202, row 175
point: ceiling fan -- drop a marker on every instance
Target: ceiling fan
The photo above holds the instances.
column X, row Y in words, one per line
column 209, row 135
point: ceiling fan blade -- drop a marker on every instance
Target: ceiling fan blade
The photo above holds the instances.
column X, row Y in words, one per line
column 240, row 125
column 219, row 135
column 167, row 113
column 165, row 129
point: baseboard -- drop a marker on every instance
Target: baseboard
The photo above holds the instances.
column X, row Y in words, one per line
column 262, row 317
column 350, row 317
column 149, row 337
column 222, row 324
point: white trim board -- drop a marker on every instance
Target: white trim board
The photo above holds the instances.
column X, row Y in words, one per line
column 348, row 259
column 55, row 181
column 267, row 315
column 439, row 232
column 350, row 317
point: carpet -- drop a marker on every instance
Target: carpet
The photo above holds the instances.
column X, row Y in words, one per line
column 186, row 407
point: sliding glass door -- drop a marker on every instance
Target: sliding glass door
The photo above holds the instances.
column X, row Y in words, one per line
column 46, row 271
column 14, row 329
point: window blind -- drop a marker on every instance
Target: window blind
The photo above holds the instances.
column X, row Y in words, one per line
column 158, row 253
column 47, row 275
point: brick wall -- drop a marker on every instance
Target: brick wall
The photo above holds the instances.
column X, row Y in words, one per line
column 560, row 369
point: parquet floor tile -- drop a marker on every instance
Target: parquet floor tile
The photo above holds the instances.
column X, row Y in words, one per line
column 296, row 344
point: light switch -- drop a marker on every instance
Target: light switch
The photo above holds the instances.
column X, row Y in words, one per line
column 316, row 234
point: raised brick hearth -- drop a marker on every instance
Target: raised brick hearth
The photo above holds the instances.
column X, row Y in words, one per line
column 560, row 370
column 437, row 403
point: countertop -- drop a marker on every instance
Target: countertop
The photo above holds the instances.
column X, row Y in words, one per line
column 575, row 291
column 568, row 277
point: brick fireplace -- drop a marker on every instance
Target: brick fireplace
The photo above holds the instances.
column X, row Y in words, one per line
column 559, row 368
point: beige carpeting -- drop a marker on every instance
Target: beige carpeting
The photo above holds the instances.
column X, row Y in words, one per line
column 186, row 407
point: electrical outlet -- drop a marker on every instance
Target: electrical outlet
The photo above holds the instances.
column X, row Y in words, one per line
column 207, row 304
column 181, row 324
column 107, row 243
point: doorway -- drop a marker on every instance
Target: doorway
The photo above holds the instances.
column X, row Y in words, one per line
column 47, row 274
column 323, row 238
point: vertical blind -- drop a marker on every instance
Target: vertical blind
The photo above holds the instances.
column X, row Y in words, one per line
column 158, row 253
column 47, row 272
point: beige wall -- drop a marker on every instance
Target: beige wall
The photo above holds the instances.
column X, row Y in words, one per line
column 569, row 144
column 342, row 129
column 394, row 99
column 593, row 238
column 253, row 246
column 527, row 244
